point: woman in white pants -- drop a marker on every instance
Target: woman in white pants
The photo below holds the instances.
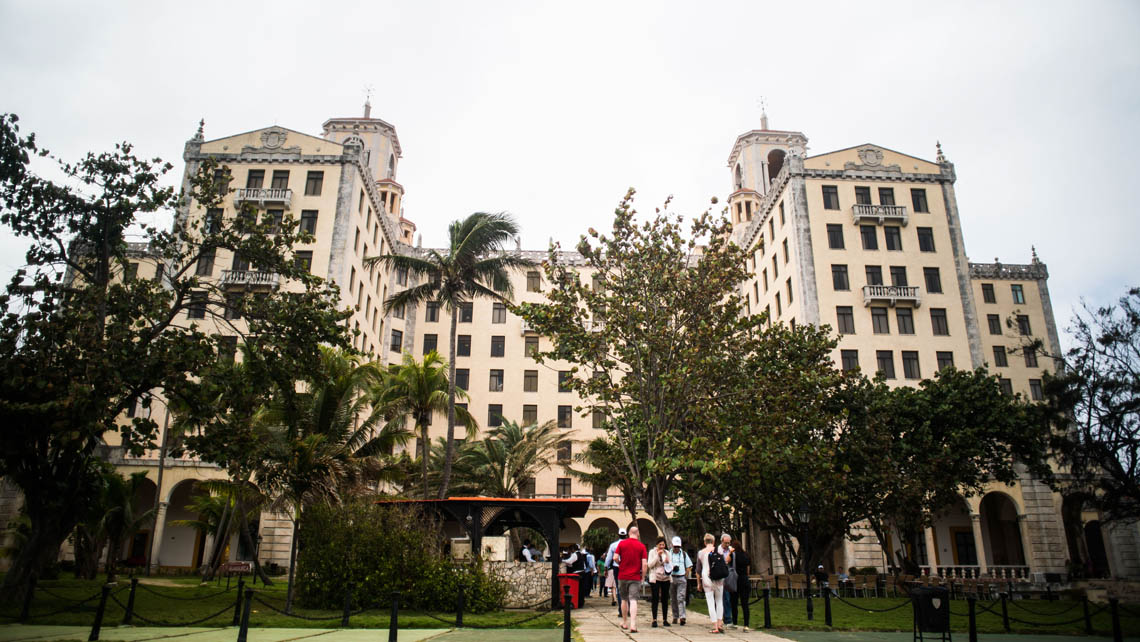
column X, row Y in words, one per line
column 714, row 589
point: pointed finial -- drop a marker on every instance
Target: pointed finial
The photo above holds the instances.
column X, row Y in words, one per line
column 1033, row 249
column 763, row 113
column 200, row 134
column 420, row 240
column 939, row 157
column 368, row 101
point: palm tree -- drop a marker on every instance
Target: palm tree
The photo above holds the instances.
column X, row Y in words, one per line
column 121, row 521
column 418, row 390
column 474, row 265
column 510, row 455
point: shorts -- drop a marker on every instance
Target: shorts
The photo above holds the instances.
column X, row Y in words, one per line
column 629, row 589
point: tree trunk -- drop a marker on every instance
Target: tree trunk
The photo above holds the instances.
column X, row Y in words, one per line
column 49, row 529
column 114, row 545
column 445, row 478
column 247, row 539
column 292, row 569
column 214, row 556
column 654, row 501
column 425, row 448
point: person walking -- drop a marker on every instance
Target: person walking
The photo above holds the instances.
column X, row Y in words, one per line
column 632, row 561
column 611, row 570
column 575, row 563
column 680, row 563
column 659, row 567
column 742, row 563
column 591, row 571
column 725, row 549
column 708, row 557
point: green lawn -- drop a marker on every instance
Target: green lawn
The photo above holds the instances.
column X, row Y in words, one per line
column 180, row 605
column 790, row 614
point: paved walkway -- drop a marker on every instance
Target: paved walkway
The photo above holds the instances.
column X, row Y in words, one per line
column 48, row 633
column 598, row 622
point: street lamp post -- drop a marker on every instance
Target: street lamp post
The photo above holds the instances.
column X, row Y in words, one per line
column 804, row 514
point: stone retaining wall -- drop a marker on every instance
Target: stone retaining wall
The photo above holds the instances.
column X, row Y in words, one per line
column 527, row 582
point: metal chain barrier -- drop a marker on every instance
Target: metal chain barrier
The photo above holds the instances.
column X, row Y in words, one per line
column 1017, row 603
column 981, row 608
column 67, row 599
column 1127, row 611
column 1066, row 623
column 70, row 607
column 228, row 608
column 296, row 615
column 869, row 610
column 178, row 597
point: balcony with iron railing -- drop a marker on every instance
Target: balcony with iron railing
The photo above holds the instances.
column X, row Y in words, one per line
column 251, row 278
column 880, row 214
column 892, row 295
column 263, row 196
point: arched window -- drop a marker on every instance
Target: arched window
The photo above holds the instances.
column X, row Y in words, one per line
column 391, row 165
column 739, row 177
column 775, row 163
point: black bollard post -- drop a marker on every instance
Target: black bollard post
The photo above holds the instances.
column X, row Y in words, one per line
column 767, row 610
column 827, row 605
column 1004, row 613
column 460, row 603
column 347, row 606
column 566, row 613
column 1009, row 584
column 973, row 618
column 1088, row 618
column 776, row 581
column 99, row 614
column 131, row 601
column 237, row 606
column 27, row 607
column 243, row 633
column 393, row 619
column 1117, row 634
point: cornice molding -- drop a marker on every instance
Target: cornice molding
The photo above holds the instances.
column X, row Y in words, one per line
column 1015, row 272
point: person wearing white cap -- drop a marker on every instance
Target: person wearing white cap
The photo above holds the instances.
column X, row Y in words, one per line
column 611, row 570
column 679, row 565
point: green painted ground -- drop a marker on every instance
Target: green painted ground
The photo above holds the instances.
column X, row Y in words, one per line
column 39, row 633
column 878, row 636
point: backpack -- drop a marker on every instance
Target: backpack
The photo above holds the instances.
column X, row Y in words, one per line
column 718, row 570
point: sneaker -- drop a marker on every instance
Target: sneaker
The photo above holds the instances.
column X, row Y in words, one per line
column 731, row 626
column 682, row 621
column 666, row 622
column 745, row 629
column 654, row 625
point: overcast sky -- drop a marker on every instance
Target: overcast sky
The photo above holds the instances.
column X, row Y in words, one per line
column 551, row 110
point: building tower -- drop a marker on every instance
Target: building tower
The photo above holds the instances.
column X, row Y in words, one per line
column 381, row 154
column 755, row 164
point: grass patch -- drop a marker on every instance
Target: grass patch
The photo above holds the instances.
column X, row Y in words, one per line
column 188, row 602
column 790, row 614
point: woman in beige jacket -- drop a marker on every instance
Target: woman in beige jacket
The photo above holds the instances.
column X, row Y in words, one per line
column 659, row 566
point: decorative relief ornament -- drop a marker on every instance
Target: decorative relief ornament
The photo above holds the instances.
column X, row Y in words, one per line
column 273, row 138
column 871, row 156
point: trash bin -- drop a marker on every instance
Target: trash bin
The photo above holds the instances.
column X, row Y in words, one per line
column 931, row 612
column 571, row 580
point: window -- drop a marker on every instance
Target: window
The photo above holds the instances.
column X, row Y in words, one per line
column 402, row 274
column 397, row 340
column 775, row 267
column 158, row 270
column 496, row 381
column 788, row 283
column 533, row 281
column 530, row 380
column 863, row 195
column 772, row 228
column 498, row 313
column 526, row 488
column 462, row 378
column 280, row 179
column 254, row 179
column 530, row 415
column 945, row 359
column 313, row 183
column 431, row 312
column 398, row 311
column 495, row 414
column 910, row 365
column 886, row 196
column 926, row 239
column 781, row 206
column 431, row 342
column 463, row 345
column 309, row 221
column 893, row 235
column 885, row 360
column 988, row 293
column 938, row 321
column 756, row 291
column 466, row 312
column 880, row 322
column 839, row 280
column 1006, row 386
column 1035, row 391
column 994, row 323
column 303, row 260
column 197, row 307
column 1030, row 357
column 898, row 275
column 835, row 236
column 905, row 319
column 849, row 359
column 227, row 348
column 598, row 419
column 918, row 199
column 933, row 280
column 779, row 308
column 1000, row 360
column 239, row 264
column 213, row 222
column 1023, row 325
column 563, row 487
column 874, row 274
column 564, row 452
column 785, row 251
column 565, row 416
column 530, row 346
column 233, row 306
column 1018, row 293
column 830, row 197
column 845, row 318
column 765, row 275
column 498, row 346
column 563, row 381
column 870, row 237
column 600, row 493
column 130, row 271
column 206, row 262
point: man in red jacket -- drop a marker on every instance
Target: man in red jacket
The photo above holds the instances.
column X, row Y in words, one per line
column 632, row 558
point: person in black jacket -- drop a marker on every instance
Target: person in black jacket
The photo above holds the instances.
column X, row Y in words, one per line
column 742, row 562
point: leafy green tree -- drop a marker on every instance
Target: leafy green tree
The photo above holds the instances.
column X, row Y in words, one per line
column 654, row 336
column 604, row 468
column 418, row 390
column 498, row 465
column 473, row 266
column 122, row 520
column 83, row 341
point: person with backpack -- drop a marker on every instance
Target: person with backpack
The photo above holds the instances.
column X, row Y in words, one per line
column 725, row 550
column 713, row 571
column 679, row 581
column 611, row 570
